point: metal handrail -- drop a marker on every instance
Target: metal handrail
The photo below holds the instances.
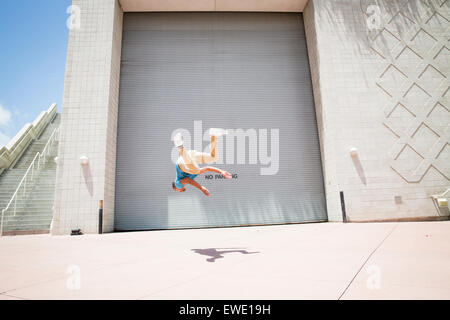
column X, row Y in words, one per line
column 435, row 196
column 40, row 158
column 12, row 151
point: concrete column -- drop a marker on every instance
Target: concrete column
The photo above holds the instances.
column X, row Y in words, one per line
column 380, row 75
column 89, row 119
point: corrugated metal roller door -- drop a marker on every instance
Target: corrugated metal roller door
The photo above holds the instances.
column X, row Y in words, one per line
column 193, row 71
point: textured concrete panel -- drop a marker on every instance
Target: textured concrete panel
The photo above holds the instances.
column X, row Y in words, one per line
column 380, row 74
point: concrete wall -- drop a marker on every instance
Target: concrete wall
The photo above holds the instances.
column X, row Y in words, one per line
column 385, row 91
column 214, row 5
column 89, row 119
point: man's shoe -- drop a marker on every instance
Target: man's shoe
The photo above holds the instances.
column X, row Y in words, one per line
column 218, row 132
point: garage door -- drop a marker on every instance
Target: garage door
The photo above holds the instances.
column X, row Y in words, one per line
column 245, row 72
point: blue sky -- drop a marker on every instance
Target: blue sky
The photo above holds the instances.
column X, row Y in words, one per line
column 33, row 46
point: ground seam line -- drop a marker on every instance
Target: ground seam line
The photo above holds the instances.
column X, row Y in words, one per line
column 368, row 258
column 8, row 295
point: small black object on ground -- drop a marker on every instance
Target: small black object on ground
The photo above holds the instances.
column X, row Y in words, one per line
column 76, row 232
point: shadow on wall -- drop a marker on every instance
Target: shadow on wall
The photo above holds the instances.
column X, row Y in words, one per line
column 359, row 169
column 88, row 179
column 350, row 20
column 215, row 254
column 352, row 14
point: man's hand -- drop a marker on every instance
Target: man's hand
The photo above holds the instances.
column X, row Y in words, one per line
column 205, row 191
column 227, row 175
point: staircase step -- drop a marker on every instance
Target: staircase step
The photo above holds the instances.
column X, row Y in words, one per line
column 26, row 224
column 36, row 210
column 27, row 218
column 29, row 209
column 44, row 226
column 43, row 214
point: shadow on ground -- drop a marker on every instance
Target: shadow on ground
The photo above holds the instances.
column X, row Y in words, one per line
column 217, row 253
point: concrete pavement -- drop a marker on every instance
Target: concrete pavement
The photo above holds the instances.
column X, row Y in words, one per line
column 409, row 260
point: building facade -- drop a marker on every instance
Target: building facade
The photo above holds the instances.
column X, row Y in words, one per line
column 379, row 73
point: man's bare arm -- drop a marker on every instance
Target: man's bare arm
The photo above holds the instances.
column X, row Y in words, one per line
column 226, row 174
column 195, row 184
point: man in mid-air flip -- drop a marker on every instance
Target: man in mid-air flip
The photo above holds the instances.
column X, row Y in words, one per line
column 188, row 161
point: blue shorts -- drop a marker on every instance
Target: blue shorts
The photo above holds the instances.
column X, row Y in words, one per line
column 181, row 175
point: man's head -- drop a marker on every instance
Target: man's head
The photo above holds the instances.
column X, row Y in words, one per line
column 174, row 187
column 178, row 140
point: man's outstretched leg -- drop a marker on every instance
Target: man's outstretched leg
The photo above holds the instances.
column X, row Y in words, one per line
column 212, row 156
column 187, row 165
